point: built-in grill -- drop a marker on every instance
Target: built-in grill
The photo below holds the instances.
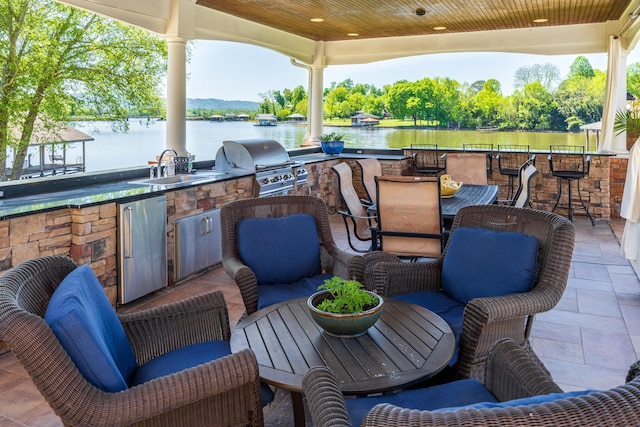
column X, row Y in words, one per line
column 276, row 174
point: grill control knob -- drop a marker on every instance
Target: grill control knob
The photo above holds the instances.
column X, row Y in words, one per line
column 287, row 176
column 264, row 181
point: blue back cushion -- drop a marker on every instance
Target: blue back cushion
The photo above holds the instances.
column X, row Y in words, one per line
column 280, row 250
column 81, row 317
column 485, row 263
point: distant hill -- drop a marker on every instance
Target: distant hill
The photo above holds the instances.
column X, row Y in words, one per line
column 219, row 104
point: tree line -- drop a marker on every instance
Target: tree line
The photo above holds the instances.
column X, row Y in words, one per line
column 541, row 101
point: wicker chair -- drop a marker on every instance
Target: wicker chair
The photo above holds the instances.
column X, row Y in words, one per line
column 487, row 319
column 225, row 391
column 333, row 260
column 509, row 374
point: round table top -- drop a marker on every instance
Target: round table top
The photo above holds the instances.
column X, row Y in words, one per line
column 406, row 345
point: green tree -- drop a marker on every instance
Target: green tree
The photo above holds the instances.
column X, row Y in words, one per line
column 535, row 108
column 581, row 67
column 487, row 104
column 581, row 99
column 58, row 59
column 633, row 79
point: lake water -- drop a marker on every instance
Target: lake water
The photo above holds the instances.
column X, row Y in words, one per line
column 141, row 143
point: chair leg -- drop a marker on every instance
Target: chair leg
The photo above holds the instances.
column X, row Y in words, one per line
column 511, row 181
column 559, row 194
column 585, row 206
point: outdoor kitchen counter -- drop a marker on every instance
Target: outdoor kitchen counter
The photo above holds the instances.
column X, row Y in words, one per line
column 90, row 195
column 122, row 191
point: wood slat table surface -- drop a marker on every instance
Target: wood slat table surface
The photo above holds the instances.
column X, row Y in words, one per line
column 407, row 344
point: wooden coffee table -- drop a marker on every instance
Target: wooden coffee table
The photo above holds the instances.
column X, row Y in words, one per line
column 407, row 344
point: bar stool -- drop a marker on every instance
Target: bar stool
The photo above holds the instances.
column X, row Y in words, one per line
column 426, row 159
column 510, row 159
column 570, row 163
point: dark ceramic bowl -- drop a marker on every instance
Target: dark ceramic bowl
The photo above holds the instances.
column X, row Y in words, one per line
column 332, row 147
column 343, row 325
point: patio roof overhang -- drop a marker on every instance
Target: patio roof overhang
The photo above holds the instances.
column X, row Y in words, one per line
column 386, row 30
column 364, row 31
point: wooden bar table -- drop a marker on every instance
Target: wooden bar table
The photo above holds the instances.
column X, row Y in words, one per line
column 408, row 344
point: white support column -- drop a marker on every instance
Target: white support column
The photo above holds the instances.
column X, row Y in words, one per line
column 315, row 100
column 176, row 136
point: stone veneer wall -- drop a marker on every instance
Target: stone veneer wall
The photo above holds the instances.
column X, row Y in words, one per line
column 617, row 176
column 595, row 189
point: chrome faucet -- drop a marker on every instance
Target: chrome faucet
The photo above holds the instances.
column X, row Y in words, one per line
column 159, row 170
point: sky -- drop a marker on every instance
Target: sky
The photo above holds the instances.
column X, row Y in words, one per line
column 236, row 71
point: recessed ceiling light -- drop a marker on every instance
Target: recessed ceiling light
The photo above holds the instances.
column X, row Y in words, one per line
column 317, row 20
column 540, row 20
column 439, row 28
column 353, row 34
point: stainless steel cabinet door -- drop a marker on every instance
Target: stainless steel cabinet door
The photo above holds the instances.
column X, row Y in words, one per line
column 198, row 245
column 142, row 248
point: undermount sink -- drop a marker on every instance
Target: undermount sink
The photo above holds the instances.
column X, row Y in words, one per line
column 177, row 180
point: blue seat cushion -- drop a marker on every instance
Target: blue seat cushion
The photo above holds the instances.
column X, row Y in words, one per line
column 280, row 250
column 180, row 359
column 525, row 401
column 485, row 263
column 456, row 393
column 81, row 317
column 273, row 294
column 188, row 357
column 450, row 310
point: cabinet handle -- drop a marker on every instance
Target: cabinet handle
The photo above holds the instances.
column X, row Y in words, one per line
column 206, row 225
column 128, row 232
column 209, row 225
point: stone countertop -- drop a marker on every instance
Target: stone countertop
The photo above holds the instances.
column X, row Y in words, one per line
column 126, row 190
column 119, row 191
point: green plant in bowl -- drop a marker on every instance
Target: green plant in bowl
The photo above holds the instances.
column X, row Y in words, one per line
column 343, row 308
column 332, row 137
column 347, row 296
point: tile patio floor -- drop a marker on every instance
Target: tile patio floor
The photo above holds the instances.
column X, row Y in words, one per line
column 588, row 341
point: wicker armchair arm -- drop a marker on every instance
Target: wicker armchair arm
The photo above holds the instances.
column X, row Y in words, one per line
column 161, row 329
column 611, row 408
column 324, row 398
column 394, row 278
column 510, row 306
column 225, row 391
column 513, row 373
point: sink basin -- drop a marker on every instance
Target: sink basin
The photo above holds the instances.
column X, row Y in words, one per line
column 179, row 180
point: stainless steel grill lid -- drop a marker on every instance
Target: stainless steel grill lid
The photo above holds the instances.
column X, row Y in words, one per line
column 251, row 155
